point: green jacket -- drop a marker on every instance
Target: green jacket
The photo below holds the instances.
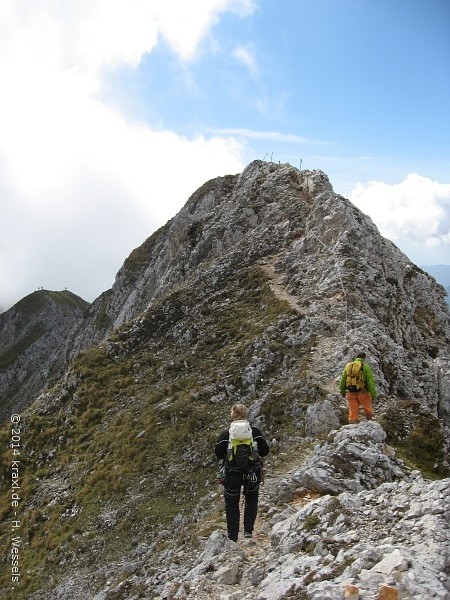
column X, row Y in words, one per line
column 369, row 380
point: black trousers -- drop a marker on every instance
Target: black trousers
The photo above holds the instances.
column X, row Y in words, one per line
column 249, row 485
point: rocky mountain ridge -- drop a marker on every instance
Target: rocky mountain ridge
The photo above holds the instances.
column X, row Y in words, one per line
column 304, row 235
column 261, row 208
column 276, row 211
column 259, row 291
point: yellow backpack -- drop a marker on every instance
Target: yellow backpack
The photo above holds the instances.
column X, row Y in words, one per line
column 355, row 376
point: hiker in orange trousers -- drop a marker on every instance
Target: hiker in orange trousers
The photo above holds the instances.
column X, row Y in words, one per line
column 357, row 385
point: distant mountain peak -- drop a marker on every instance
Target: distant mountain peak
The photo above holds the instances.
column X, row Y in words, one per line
column 33, row 332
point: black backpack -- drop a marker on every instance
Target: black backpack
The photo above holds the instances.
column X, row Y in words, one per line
column 242, row 454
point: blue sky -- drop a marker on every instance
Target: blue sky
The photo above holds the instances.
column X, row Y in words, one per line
column 358, row 80
column 102, row 100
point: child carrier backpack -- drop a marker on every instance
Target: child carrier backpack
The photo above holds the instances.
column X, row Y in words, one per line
column 242, row 454
column 355, row 376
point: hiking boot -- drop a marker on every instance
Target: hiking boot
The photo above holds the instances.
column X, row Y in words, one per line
column 247, row 534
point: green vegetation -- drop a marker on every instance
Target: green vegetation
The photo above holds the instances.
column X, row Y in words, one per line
column 31, row 304
column 418, row 437
column 65, row 298
column 295, row 593
column 311, row 521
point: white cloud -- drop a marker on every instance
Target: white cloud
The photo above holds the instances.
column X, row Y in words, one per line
column 274, row 136
column 417, row 210
column 246, row 56
column 77, row 177
column 184, row 24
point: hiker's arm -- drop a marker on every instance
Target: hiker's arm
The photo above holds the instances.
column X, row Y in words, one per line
column 370, row 381
column 263, row 446
column 221, row 445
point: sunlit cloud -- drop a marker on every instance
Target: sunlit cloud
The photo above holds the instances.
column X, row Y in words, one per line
column 416, row 209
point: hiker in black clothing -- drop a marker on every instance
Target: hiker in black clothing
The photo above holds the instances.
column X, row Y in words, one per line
column 235, row 480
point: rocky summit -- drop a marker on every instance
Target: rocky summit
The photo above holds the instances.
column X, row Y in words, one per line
column 259, row 290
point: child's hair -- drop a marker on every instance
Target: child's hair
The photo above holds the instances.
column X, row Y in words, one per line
column 238, row 412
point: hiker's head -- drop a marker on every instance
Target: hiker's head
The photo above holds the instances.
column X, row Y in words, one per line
column 238, row 412
column 361, row 355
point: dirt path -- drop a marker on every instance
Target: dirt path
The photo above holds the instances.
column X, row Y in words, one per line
column 276, row 284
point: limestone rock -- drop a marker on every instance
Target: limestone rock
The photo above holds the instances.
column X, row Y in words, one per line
column 352, row 459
